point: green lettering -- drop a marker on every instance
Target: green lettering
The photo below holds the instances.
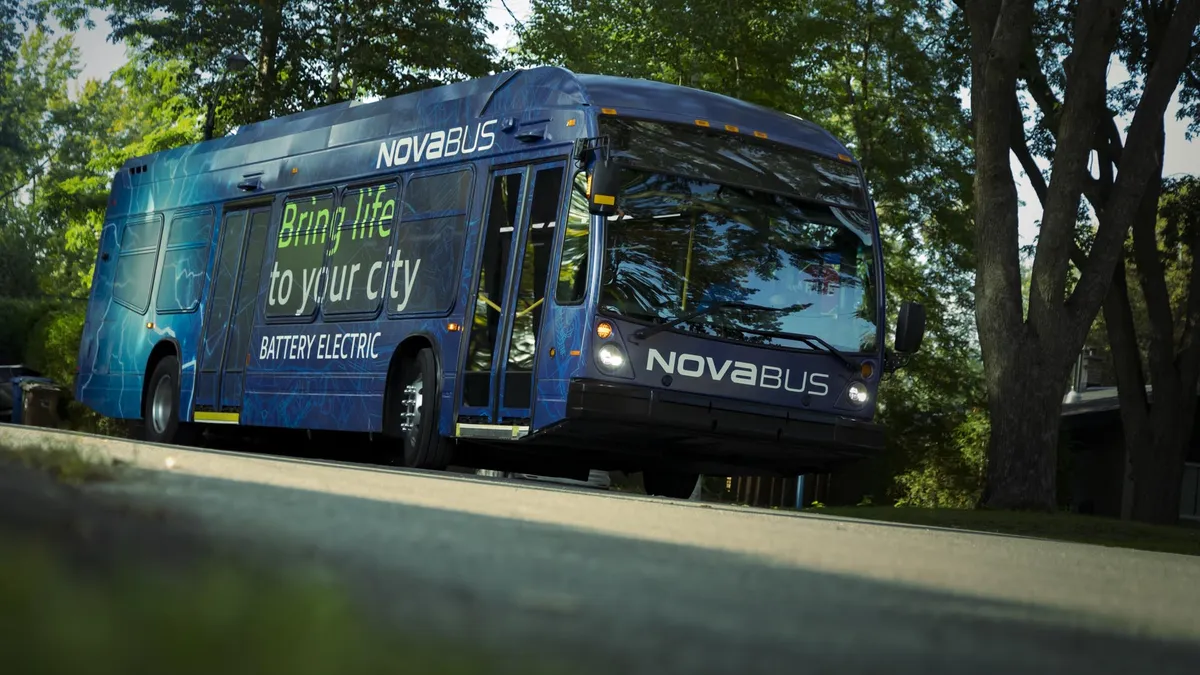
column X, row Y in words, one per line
column 289, row 223
column 389, row 210
column 303, row 229
column 358, row 214
column 322, row 224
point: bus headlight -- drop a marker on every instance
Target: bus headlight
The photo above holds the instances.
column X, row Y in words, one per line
column 858, row 393
column 610, row 358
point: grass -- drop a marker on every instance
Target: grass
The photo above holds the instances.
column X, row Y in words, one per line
column 62, row 459
column 1059, row 526
column 215, row 620
column 92, row 585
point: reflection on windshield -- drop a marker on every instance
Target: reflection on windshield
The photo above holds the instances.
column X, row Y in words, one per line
column 732, row 159
column 680, row 244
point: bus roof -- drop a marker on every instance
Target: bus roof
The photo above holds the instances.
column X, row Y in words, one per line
column 509, row 92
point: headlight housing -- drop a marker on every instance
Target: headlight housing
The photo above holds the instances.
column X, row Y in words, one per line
column 858, row 394
column 610, row 358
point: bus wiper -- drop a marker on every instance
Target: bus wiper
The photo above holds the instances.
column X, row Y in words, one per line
column 644, row 333
column 810, row 340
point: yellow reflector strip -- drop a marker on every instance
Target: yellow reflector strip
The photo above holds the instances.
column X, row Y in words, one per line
column 607, row 200
column 760, row 134
column 702, row 123
column 575, row 352
column 609, row 111
column 730, row 127
column 217, row 417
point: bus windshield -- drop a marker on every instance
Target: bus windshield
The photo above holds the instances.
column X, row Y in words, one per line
column 679, row 244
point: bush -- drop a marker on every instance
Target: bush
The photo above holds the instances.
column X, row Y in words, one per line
column 949, row 475
column 18, row 320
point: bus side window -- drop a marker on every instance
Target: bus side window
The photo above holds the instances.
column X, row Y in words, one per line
column 182, row 278
column 573, row 264
column 134, row 274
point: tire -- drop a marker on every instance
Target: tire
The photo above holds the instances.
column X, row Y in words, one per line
column 672, row 484
column 413, row 416
column 160, row 409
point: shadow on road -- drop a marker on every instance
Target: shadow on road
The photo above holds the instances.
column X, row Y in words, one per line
column 613, row 604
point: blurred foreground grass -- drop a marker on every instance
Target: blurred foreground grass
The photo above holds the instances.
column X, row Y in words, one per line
column 219, row 620
column 98, row 587
column 62, row 459
column 1061, row 526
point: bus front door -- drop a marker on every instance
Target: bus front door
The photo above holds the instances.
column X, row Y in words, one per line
column 498, row 388
column 223, row 349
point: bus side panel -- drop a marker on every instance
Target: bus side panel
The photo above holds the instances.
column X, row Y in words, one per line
column 94, row 379
column 332, row 376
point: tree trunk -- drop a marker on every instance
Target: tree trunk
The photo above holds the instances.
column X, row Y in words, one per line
column 1158, row 468
column 268, row 56
column 1024, row 401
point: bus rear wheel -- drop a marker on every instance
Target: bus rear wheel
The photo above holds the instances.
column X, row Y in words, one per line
column 672, row 484
column 413, row 417
column 160, row 410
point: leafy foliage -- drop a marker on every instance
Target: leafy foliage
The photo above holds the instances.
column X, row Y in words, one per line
column 307, row 54
column 884, row 76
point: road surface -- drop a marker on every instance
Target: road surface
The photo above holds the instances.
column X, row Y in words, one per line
column 617, row 583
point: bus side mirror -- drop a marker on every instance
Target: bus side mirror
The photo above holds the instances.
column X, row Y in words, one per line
column 603, row 187
column 910, row 328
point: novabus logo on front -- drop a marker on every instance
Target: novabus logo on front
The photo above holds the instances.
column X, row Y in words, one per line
column 739, row 372
column 436, row 145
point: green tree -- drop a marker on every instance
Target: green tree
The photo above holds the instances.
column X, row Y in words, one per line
column 1057, row 54
column 881, row 74
column 307, row 54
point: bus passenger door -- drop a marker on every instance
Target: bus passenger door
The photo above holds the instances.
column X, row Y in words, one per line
column 231, row 304
column 498, row 377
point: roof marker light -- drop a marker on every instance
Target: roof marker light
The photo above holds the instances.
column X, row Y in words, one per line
column 730, row 127
column 571, row 122
column 759, row 134
column 702, row 123
column 609, row 111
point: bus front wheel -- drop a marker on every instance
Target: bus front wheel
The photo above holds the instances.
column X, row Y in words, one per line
column 413, row 418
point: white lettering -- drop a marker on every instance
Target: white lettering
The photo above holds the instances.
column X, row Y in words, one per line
column 803, row 383
column 740, row 372
column 284, row 295
column 812, row 379
column 718, row 375
column 667, row 366
column 773, row 373
column 744, row 373
column 262, row 352
column 688, row 370
column 371, row 294
column 437, row 144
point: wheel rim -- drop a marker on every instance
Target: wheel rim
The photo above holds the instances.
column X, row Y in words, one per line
column 160, row 406
column 414, row 401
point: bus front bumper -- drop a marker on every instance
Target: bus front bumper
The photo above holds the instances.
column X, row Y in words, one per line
column 671, row 423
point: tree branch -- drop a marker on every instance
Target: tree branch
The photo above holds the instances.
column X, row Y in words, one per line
column 1020, row 148
column 1127, row 360
column 998, row 33
column 1151, row 277
column 1095, row 36
column 1136, row 163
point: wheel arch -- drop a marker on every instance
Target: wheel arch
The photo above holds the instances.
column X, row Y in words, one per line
column 164, row 348
column 407, row 350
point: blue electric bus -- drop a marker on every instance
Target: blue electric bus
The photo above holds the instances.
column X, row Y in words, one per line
column 607, row 272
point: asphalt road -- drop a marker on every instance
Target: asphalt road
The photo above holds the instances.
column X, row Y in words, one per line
column 615, row 583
